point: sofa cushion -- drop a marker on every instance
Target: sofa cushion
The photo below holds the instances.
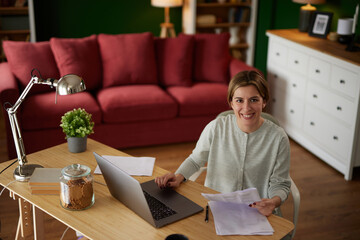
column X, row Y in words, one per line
column 200, row 99
column 40, row 111
column 237, row 66
column 25, row 56
column 174, row 57
column 135, row 103
column 211, row 57
column 128, row 59
column 79, row 56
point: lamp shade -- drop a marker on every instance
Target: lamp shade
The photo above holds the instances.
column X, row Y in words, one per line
column 70, row 84
column 167, row 3
column 309, row 1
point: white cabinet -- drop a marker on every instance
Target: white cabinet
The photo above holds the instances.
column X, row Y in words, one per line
column 315, row 96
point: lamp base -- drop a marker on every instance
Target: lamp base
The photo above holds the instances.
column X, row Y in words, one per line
column 23, row 173
column 305, row 19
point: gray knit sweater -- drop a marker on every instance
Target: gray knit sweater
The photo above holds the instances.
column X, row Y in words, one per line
column 237, row 160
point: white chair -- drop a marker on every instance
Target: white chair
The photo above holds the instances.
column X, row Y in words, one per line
column 293, row 189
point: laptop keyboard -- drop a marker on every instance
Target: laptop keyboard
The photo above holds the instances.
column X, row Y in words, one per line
column 157, row 208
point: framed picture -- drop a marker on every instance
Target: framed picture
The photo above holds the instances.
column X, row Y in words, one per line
column 320, row 24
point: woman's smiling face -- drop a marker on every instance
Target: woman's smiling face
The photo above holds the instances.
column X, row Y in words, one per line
column 247, row 104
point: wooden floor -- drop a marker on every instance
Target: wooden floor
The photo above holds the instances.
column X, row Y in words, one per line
column 330, row 206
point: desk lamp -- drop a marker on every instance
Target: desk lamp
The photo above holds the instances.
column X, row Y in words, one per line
column 67, row 84
column 306, row 13
column 167, row 28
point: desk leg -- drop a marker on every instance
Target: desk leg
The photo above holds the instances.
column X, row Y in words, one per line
column 24, row 229
column 38, row 219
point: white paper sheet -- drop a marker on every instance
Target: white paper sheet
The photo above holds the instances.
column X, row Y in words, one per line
column 233, row 216
column 246, row 196
column 135, row 166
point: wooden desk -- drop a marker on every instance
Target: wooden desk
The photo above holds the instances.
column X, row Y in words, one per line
column 110, row 219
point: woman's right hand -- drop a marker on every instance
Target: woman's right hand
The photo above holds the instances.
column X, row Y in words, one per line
column 169, row 180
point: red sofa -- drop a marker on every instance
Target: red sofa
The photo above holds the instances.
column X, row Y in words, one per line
column 141, row 90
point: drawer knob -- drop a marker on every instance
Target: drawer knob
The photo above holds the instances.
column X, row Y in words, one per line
column 342, row 81
column 296, row 62
column 338, row 108
column 294, row 85
column 335, row 138
column 315, row 96
column 292, row 111
column 277, row 54
column 312, row 123
column 317, row 71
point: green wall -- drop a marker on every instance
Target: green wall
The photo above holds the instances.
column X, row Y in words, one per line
column 80, row 18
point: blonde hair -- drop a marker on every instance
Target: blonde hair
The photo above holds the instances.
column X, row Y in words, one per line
column 247, row 78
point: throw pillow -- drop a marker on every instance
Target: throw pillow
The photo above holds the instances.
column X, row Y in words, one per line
column 25, row 56
column 128, row 59
column 174, row 57
column 212, row 57
column 79, row 56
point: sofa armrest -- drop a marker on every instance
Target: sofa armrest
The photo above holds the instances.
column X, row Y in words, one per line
column 9, row 92
column 9, row 89
column 237, row 65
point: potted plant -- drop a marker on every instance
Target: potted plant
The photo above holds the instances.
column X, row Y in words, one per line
column 77, row 125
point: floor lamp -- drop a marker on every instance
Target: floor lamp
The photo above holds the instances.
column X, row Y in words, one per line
column 68, row 84
column 306, row 13
column 167, row 28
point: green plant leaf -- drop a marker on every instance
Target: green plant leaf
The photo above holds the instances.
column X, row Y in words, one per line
column 77, row 123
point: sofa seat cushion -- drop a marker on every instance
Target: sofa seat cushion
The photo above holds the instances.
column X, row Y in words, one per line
column 135, row 103
column 174, row 58
column 128, row 59
column 25, row 56
column 79, row 56
column 200, row 99
column 40, row 111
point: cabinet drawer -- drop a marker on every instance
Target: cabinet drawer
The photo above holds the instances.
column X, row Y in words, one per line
column 298, row 61
column 276, row 104
column 293, row 112
column 297, row 86
column 329, row 133
column 319, row 70
column 277, row 53
column 345, row 81
column 276, row 79
column 335, row 105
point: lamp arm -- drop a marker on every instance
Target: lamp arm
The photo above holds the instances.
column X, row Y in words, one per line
column 33, row 80
column 18, row 140
column 15, row 128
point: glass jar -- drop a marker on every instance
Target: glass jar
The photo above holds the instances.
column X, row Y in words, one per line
column 76, row 184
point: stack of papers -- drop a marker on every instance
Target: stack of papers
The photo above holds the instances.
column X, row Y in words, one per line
column 233, row 216
column 135, row 166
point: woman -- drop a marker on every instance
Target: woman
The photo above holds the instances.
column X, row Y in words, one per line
column 242, row 150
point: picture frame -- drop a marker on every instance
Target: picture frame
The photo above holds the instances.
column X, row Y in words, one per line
column 320, row 24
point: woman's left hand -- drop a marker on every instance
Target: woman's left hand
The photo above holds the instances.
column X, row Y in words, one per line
column 266, row 206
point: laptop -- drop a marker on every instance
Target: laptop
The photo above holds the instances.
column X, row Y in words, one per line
column 158, row 207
